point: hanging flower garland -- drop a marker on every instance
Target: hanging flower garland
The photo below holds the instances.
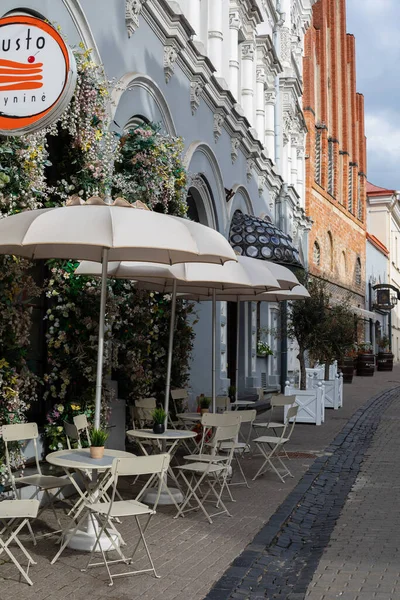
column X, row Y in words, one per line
column 80, row 155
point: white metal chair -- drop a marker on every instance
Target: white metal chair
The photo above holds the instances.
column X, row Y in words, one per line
column 222, row 403
column 72, row 434
column 105, row 512
column 269, row 446
column 43, row 483
column 211, row 470
column 273, row 423
column 82, row 426
column 14, row 515
column 242, row 445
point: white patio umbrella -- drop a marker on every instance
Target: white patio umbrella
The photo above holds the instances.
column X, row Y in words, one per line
column 299, row 292
column 198, row 279
column 102, row 232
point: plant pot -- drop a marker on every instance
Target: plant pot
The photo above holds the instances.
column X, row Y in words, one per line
column 261, row 355
column 204, row 410
column 96, row 452
column 347, row 369
column 158, row 428
column 385, row 361
column 366, row 365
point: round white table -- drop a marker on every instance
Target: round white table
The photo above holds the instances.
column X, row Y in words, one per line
column 80, row 460
column 170, row 495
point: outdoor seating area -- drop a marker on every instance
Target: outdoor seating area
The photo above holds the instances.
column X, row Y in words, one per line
column 97, row 509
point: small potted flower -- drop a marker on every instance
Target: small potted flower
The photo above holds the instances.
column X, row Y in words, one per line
column 98, row 438
column 205, row 405
column 385, row 356
column 159, row 416
column 263, row 349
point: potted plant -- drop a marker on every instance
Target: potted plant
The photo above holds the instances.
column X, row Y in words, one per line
column 263, row 349
column 365, row 360
column 98, row 438
column 205, row 404
column 159, row 415
column 385, row 356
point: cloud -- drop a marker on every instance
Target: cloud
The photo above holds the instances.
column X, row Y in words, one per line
column 383, row 144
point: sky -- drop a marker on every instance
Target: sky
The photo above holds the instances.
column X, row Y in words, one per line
column 375, row 24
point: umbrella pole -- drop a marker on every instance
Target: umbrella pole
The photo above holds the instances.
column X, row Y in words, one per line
column 170, row 348
column 100, row 351
column 237, row 351
column 213, row 353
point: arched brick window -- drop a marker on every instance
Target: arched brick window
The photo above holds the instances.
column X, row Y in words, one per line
column 343, row 263
column 317, row 254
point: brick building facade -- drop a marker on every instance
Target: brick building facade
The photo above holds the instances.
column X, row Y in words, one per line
column 335, row 153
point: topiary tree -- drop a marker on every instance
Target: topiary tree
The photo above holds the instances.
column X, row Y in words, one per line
column 305, row 317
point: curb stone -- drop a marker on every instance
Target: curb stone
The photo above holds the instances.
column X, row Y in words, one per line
column 281, row 560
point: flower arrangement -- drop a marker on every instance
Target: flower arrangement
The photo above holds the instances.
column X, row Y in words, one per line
column 365, row 348
column 351, row 351
column 384, row 343
column 263, row 349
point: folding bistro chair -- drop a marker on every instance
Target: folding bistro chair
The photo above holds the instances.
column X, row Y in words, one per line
column 269, row 446
column 105, row 512
column 211, row 470
column 222, row 403
column 14, row 515
column 43, row 483
column 72, row 435
column 82, row 426
column 242, row 445
column 273, row 423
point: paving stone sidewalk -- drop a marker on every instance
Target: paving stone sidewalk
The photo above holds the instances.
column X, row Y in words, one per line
column 282, row 559
column 190, row 554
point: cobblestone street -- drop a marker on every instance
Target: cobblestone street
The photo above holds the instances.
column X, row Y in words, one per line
column 271, row 546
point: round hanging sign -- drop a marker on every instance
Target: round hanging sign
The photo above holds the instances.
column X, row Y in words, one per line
column 37, row 74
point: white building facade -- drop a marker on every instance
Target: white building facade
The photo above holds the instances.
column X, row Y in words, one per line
column 226, row 76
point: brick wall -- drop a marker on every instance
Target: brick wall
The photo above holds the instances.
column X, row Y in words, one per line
column 336, row 173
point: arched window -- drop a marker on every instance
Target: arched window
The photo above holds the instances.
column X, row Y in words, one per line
column 357, row 275
column 317, row 254
column 330, row 250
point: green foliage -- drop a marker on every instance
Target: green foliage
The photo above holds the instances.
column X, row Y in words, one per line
column 159, row 415
column 263, row 349
column 98, row 437
column 205, row 402
column 384, row 342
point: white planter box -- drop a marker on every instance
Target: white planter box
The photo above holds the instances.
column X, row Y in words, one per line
column 310, row 403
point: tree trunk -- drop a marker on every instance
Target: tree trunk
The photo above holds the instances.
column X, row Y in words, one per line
column 326, row 376
column 303, row 373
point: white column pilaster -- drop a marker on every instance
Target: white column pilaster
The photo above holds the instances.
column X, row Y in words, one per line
column 234, row 26
column 270, row 98
column 194, row 16
column 260, row 102
column 247, row 64
column 215, row 34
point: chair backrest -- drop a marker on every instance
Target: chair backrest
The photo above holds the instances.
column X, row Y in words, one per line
column 260, row 393
column 71, row 433
column 144, row 408
column 222, row 403
column 247, row 416
column 82, row 425
column 210, row 421
column 291, row 414
column 20, row 432
column 180, row 394
column 282, row 400
column 140, row 465
column 224, row 433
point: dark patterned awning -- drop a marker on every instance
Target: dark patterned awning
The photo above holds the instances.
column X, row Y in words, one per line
column 254, row 237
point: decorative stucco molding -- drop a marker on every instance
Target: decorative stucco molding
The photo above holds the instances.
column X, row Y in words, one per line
column 133, row 9
column 196, row 90
column 170, row 55
column 235, row 143
column 219, row 119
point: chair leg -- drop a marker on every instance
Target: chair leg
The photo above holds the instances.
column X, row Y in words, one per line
column 4, row 548
column 68, row 538
column 142, row 532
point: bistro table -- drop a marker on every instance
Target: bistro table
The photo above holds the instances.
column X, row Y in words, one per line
column 176, row 436
column 81, row 461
